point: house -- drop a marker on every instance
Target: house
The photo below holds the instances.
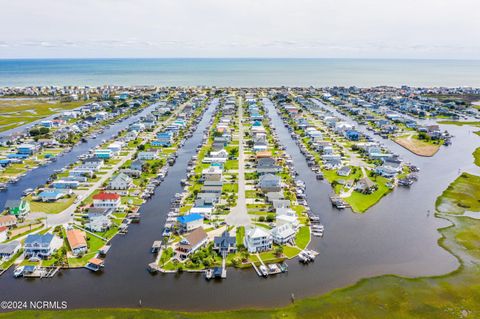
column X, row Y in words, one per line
column 106, row 200
column 103, row 153
column 191, row 242
column 352, row 135
column 280, row 203
column 258, row 239
column 120, row 184
column 7, row 250
column 41, row 245
column 18, row 208
column 269, row 183
column 365, row 185
column 344, row 171
column 98, row 223
column 65, row 184
column 283, row 234
column 51, row 195
column 8, row 221
column 147, row 155
column 77, row 240
column 290, row 219
column 267, row 165
column 27, row 149
column 137, row 165
column 3, row 233
column 163, row 139
column 225, row 244
column 94, row 163
column 212, row 173
column 190, row 221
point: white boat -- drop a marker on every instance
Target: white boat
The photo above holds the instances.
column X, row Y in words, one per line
column 264, row 270
column 18, row 272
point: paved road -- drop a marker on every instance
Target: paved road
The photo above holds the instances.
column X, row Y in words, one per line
column 239, row 215
column 67, row 215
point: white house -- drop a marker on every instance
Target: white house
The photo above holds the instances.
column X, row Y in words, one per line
column 257, row 240
column 106, row 200
column 282, row 234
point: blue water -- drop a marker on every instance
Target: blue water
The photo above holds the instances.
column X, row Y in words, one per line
column 240, row 72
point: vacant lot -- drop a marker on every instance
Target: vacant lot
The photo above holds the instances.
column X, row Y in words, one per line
column 21, row 111
column 416, row 146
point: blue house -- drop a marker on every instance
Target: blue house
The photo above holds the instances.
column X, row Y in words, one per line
column 41, row 246
column 163, row 139
column 50, row 195
column 28, row 149
column 352, row 135
column 190, row 221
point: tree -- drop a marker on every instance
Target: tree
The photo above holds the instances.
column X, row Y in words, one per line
column 279, row 251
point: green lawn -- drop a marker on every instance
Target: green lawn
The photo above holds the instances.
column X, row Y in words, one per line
column 361, row 202
column 303, row 237
column 94, row 244
column 51, row 208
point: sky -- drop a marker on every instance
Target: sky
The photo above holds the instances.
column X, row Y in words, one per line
column 440, row 29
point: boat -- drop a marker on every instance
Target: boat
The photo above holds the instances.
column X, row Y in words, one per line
column 27, row 192
column 264, row 270
column 18, row 272
column 209, row 274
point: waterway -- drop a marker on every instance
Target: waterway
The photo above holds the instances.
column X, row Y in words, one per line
column 397, row 236
column 39, row 176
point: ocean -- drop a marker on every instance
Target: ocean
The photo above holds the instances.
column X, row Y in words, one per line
column 253, row 72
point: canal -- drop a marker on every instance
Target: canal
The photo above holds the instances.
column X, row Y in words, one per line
column 39, row 176
column 396, row 236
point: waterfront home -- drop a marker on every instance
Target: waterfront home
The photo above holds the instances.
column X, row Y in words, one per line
column 344, row 171
column 77, row 240
column 269, row 183
column 271, row 196
column 106, row 200
column 189, row 222
column 332, row 161
column 17, row 207
column 51, row 195
column 257, row 239
column 388, row 169
column 65, row 184
column 191, row 242
column 163, row 139
column 81, row 172
column 8, row 221
column 225, row 244
column 103, row 153
column 280, row 203
column 94, row 163
column 115, row 147
column 137, row 165
column 41, row 245
column 283, row 234
column 3, row 233
column 27, row 149
column 365, row 186
column 120, row 184
column 212, row 173
column 267, row 165
column 147, row 155
column 287, row 218
column 98, row 223
column 8, row 250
